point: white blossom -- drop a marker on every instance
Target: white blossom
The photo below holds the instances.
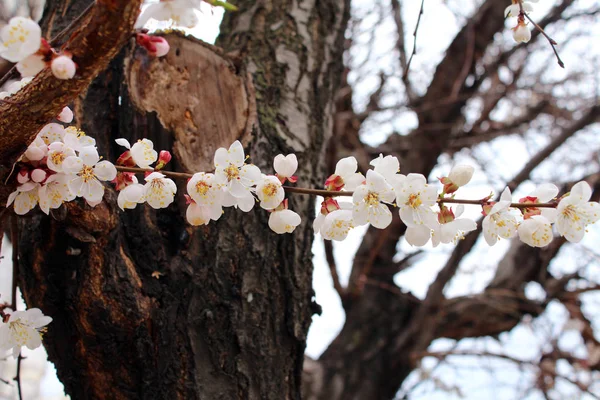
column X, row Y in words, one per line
column 197, row 214
column 536, row 231
column 63, row 67
column 77, row 139
column 23, row 328
column 367, row 201
column 204, row 189
column 159, row 191
column 389, row 168
column 461, row 174
column 181, row 12
column 86, row 171
column 54, row 192
column 575, row 212
column 285, row 166
column 25, row 197
column 51, row 133
column 284, row 221
column 270, row 192
column 513, row 10
column 131, row 195
column 66, row 115
column 57, row 153
column 236, row 177
column 452, row 231
column 125, row 143
column 417, row 235
column 345, row 175
column 337, row 224
column 20, row 38
column 499, row 222
column 415, row 198
column 143, row 153
column 521, row 33
column 31, row 65
column 36, row 150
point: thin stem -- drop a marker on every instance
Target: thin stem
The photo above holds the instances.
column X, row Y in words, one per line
column 414, row 51
column 327, row 193
column 18, row 377
column 539, row 28
column 14, row 238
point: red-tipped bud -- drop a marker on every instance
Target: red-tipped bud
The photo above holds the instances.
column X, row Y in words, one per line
column 445, row 215
column 449, row 186
column 334, row 183
column 126, row 160
column 122, row 180
column 23, row 175
column 155, row 45
column 163, row 159
column 487, row 208
column 329, row 205
column 188, row 199
column 530, row 211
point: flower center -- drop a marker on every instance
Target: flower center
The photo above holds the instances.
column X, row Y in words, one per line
column 269, row 190
column 20, row 332
column 571, row 213
column 414, row 200
column 232, row 172
column 87, row 173
column 372, row 199
column 202, row 188
column 57, row 158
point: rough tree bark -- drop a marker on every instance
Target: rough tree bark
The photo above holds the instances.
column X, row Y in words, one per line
column 145, row 306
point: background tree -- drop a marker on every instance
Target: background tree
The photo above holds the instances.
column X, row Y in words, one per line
column 145, row 306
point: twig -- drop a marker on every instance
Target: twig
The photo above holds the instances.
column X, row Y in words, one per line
column 341, row 291
column 18, row 377
column 405, row 74
column 14, row 238
column 326, row 193
column 541, row 30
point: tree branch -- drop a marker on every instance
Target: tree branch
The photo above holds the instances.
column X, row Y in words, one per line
column 95, row 42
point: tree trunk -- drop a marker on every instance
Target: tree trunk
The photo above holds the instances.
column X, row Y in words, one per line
column 147, row 307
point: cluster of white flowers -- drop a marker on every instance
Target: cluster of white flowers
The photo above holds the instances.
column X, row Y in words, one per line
column 425, row 213
column 58, row 166
column 22, row 43
column 62, row 164
column 22, row 328
column 521, row 32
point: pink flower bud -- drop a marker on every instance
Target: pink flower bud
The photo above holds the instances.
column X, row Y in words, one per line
column 445, row 215
column 334, row 183
column 23, row 175
column 38, row 175
column 63, row 67
column 530, row 211
column 329, row 205
column 155, row 45
column 163, row 159
column 123, row 179
column 125, row 160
